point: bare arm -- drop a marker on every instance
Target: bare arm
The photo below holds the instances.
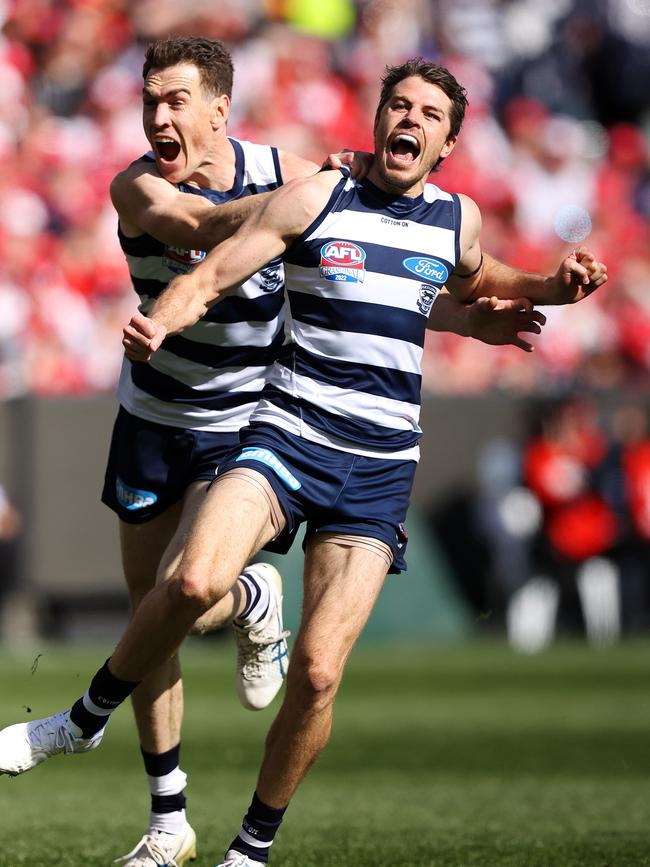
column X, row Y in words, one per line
column 145, row 202
column 490, row 320
column 479, row 274
column 267, row 233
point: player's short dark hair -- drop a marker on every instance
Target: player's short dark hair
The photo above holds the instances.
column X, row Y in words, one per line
column 210, row 56
column 434, row 74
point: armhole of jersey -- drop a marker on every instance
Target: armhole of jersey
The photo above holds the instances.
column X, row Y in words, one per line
column 336, row 193
column 458, row 216
column 278, row 167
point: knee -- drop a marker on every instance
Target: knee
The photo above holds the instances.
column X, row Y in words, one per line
column 192, row 589
column 317, row 681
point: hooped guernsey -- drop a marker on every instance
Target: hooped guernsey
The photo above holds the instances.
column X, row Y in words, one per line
column 360, row 284
column 210, row 376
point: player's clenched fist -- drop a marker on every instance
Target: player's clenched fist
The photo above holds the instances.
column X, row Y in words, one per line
column 142, row 337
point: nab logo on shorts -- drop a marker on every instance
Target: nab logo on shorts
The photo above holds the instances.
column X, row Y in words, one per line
column 427, row 269
column 342, row 262
column 132, row 498
column 266, row 456
column 181, row 261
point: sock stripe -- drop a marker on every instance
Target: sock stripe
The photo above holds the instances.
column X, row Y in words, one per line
column 258, row 597
column 253, row 593
column 168, row 784
column 258, row 830
column 247, row 838
column 168, row 803
column 93, row 708
column 161, row 764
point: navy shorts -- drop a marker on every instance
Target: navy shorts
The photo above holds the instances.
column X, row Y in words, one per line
column 150, row 466
column 332, row 491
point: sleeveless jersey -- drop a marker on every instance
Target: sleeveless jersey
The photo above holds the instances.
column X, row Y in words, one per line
column 210, row 376
column 360, row 283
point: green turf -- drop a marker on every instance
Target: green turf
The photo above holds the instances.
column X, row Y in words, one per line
column 443, row 757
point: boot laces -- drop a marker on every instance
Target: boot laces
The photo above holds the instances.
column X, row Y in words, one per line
column 52, row 735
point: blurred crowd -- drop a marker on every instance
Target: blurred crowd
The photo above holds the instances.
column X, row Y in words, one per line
column 557, row 534
column 555, row 150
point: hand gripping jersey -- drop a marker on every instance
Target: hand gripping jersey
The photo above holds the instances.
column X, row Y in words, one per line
column 210, row 376
column 360, row 283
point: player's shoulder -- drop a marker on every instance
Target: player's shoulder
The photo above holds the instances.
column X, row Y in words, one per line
column 139, row 179
column 295, row 205
column 142, row 166
column 312, row 191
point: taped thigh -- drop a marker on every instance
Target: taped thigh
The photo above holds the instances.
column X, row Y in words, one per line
column 263, row 486
column 368, row 543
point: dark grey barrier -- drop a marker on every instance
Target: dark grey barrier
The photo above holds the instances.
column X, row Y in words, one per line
column 52, row 458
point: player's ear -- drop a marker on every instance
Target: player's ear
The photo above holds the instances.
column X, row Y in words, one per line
column 447, row 147
column 220, row 110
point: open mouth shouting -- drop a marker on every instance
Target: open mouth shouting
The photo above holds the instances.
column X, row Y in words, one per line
column 167, row 149
column 404, row 149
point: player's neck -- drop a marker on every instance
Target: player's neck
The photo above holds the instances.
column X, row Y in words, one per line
column 218, row 169
column 376, row 178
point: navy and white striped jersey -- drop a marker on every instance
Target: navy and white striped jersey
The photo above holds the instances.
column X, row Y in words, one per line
column 360, row 283
column 210, row 376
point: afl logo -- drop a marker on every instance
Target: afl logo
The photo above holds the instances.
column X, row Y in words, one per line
column 181, row 261
column 427, row 269
column 342, row 261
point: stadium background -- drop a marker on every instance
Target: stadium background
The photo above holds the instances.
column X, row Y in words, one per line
column 559, row 118
column 459, row 756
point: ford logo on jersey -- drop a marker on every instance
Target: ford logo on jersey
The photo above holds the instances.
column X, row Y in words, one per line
column 427, row 269
column 181, row 261
column 342, row 261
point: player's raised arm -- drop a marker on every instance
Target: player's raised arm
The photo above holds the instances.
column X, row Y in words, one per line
column 480, row 275
column 266, row 234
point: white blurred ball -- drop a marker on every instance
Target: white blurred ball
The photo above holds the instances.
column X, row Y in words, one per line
column 572, row 223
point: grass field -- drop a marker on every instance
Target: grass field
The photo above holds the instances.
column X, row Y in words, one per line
column 441, row 757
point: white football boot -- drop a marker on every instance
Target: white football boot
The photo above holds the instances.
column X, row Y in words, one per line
column 159, row 848
column 237, row 859
column 25, row 745
column 262, row 652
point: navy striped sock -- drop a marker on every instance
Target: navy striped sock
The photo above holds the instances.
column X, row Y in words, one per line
column 166, row 784
column 258, row 830
column 106, row 692
column 258, row 597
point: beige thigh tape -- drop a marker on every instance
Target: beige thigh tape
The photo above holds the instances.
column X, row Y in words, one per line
column 375, row 545
column 260, row 483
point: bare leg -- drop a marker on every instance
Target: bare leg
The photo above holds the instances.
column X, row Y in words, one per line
column 341, row 587
column 232, row 523
column 149, row 550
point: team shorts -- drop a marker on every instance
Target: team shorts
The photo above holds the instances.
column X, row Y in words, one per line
column 150, row 466
column 332, row 491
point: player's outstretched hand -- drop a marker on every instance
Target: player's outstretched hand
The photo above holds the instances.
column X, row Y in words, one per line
column 500, row 322
column 142, row 337
column 358, row 161
column 577, row 277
